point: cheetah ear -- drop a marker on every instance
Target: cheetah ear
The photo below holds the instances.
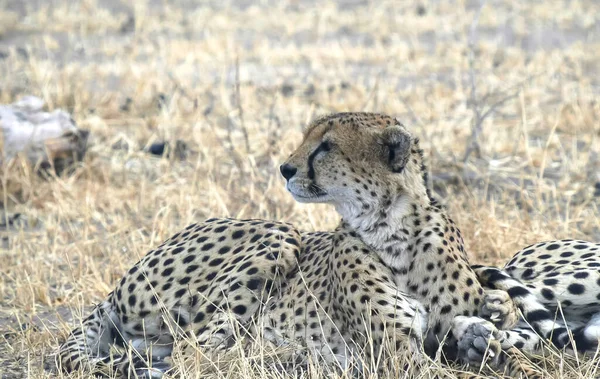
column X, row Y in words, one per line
column 397, row 140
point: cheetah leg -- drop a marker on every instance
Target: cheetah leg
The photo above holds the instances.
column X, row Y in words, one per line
column 216, row 327
column 499, row 308
column 390, row 319
column 134, row 365
column 147, row 354
column 88, row 346
column 592, row 329
column 533, row 310
column 231, row 320
column 584, row 338
column 545, row 323
column 478, row 340
column 480, row 343
column 516, row 365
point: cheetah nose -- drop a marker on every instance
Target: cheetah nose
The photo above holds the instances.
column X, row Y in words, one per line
column 288, row 171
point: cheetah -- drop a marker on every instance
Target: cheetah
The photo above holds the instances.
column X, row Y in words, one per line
column 394, row 273
column 555, row 285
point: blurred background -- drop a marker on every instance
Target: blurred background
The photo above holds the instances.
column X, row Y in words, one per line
column 160, row 113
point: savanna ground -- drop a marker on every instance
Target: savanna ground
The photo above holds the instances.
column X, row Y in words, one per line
column 504, row 97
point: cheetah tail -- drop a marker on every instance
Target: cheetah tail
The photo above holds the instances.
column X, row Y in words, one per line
column 544, row 323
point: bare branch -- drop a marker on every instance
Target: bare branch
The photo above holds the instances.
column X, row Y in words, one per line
column 473, row 143
column 237, row 159
column 498, row 103
column 417, row 121
column 273, row 120
column 477, row 104
column 183, row 91
column 239, row 104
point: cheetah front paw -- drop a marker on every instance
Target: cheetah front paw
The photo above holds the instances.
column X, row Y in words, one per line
column 478, row 341
column 499, row 308
column 144, row 370
column 155, row 372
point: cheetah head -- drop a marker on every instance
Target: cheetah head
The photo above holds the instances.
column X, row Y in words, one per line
column 356, row 162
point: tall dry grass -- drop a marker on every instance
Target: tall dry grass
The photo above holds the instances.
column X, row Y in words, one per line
column 237, row 82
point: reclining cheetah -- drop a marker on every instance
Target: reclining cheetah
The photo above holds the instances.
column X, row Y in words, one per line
column 394, row 272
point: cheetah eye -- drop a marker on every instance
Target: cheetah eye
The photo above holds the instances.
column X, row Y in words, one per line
column 325, row 146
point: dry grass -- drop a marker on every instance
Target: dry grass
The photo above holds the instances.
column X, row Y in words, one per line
column 133, row 74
